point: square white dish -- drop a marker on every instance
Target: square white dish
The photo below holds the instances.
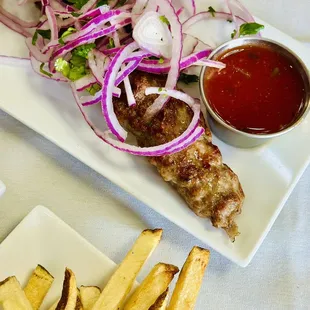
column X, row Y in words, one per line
column 42, row 238
column 268, row 174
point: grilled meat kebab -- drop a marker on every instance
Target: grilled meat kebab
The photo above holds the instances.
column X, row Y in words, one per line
column 210, row 188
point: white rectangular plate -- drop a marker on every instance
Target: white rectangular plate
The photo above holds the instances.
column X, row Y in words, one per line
column 2, row 188
column 268, row 174
column 42, row 238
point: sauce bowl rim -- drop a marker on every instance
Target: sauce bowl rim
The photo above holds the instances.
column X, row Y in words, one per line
column 244, row 41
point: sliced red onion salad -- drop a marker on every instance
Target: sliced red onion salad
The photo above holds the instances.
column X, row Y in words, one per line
column 106, row 43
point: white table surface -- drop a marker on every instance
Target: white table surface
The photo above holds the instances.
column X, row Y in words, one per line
column 35, row 171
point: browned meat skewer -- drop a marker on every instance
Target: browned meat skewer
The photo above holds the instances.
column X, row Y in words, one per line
column 210, row 188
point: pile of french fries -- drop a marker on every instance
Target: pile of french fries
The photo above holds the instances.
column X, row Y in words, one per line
column 151, row 294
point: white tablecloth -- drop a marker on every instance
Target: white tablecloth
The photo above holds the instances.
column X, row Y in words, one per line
column 37, row 172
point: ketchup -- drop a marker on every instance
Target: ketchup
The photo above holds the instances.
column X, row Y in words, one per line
column 260, row 91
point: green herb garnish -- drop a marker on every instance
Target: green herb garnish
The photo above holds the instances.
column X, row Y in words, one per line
column 93, row 89
column 161, row 60
column 212, row 11
column 83, row 50
column 233, row 34
column 164, row 19
column 78, row 3
column 250, row 28
column 75, row 14
column 69, row 31
column 102, row 2
column 34, row 38
column 62, row 66
column 46, row 34
column 188, row 78
column 111, row 43
column 74, row 69
column 43, row 71
column 120, row 3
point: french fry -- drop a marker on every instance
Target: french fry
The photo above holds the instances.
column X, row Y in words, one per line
column 89, row 296
column 69, row 293
column 188, row 285
column 121, row 282
column 12, row 297
column 162, row 301
column 54, row 306
column 79, row 305
column 38, row 286
column 152, row 287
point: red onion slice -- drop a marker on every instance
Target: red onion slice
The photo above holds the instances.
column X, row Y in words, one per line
column 153, row 35
column 173, row 75
column 36, row 68
column 88, row 6
column 35, row 52
column 129, row 93
column 206, row 15
column 126, row 71
column 14, row 26
column 101, row 19
column 52, row 22
column 193, row 3
column 98, row 69
column 17, row 20
column 90, row 100
column 85, row 82
column 89, row 38
column 108, row 85
column 154, row 151
column 95, row 12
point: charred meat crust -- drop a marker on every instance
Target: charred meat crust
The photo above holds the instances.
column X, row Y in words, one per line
column 210, row 188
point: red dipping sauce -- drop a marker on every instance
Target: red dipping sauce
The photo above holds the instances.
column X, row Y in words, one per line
column 260, row 91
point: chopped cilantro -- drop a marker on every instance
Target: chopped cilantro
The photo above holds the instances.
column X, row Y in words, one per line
column 188, row 78
column 73, row 69
column 62, row 66
column 164, row 19
column 212, row 11
column 161, row 60
column 111, row 43
column 93, row 89
column 76, row 73
column 78, row 3
column 160, row 89
column 250, row 28
column 69, row 31
column 120, row 3
column 102, row 2
column 83, row 50
column 75, row 14
column 34, row 38
column 46, row 34
column 77, row 60
column 233, row 33
column 43, row 71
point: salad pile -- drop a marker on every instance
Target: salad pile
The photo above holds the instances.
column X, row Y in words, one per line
column 96, row 44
